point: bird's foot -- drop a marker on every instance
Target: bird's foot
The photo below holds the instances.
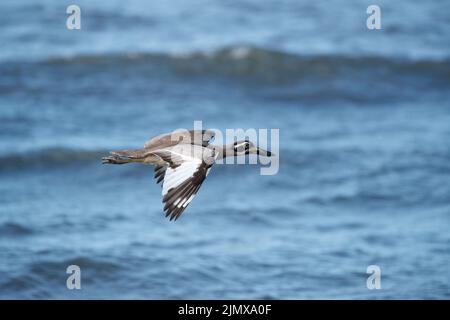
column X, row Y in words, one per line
column 113, row 160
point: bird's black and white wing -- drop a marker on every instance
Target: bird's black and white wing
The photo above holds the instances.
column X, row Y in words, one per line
column 182, row 177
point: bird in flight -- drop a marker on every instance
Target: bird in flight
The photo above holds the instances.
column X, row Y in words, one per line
column 182, row 160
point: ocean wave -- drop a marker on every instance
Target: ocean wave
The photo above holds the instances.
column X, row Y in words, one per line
column 42, row 276
column 11, row 229
column 48, row 268
column 266, row 64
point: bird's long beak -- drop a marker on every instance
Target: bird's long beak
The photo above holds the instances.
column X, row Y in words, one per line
column 262, row 152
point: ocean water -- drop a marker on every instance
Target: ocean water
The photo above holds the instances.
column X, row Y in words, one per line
column 364, row 178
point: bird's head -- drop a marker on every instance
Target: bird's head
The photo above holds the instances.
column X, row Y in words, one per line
column 244, row 147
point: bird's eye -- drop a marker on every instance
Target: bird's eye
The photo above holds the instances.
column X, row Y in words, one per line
column 240, row 148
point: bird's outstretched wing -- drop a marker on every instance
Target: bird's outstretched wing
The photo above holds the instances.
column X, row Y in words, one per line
column 182, row 177
column 194, row 137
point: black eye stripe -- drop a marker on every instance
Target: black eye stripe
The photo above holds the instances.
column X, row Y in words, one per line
column 243, row 146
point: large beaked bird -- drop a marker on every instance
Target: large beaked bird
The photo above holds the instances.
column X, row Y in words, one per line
column 182, row 160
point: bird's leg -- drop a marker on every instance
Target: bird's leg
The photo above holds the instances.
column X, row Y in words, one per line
column 125, row 156
column 114, row 160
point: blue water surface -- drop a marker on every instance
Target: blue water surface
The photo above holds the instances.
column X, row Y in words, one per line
column 364, row 177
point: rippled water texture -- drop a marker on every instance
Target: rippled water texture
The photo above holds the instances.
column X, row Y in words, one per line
column 364, row 119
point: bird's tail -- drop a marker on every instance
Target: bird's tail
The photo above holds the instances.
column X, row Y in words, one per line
column 124, row 156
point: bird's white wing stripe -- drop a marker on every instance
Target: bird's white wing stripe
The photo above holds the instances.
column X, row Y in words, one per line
column 176, row 179
column 185, row 201
column 189, row 200
column 181, row 203
column 176, row 176
column 179, row 174
column 184, row 169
